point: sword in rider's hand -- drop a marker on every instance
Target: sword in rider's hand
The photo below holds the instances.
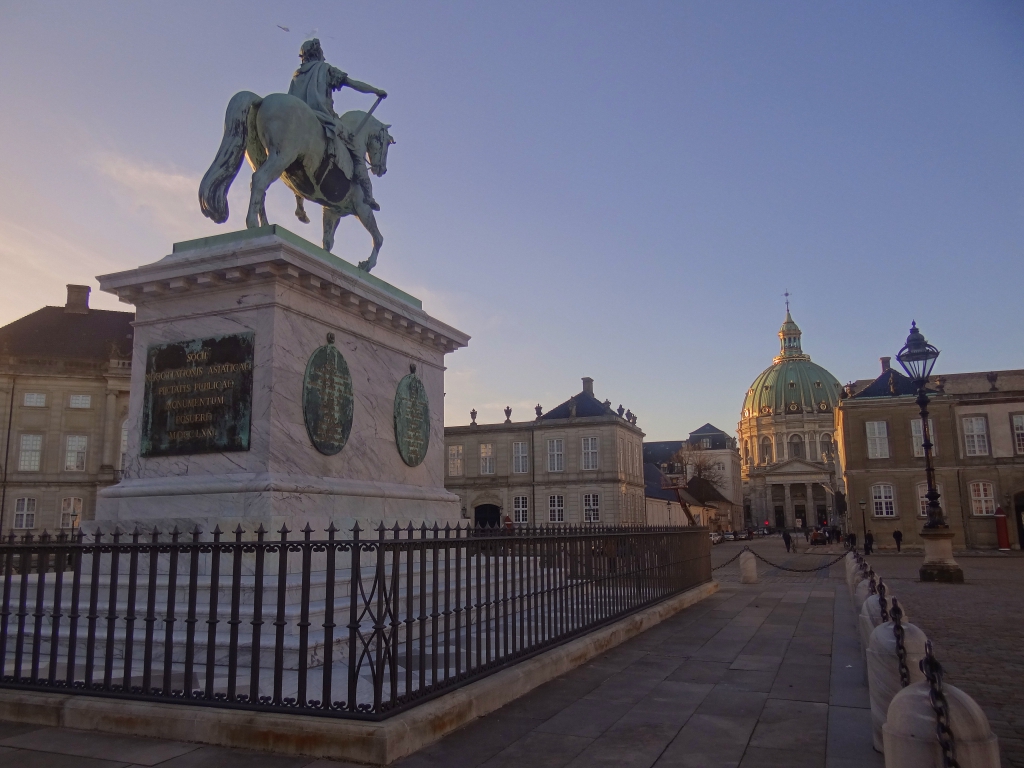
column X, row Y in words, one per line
column 367, row 117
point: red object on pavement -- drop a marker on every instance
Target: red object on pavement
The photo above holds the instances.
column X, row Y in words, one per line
column 1002, row 533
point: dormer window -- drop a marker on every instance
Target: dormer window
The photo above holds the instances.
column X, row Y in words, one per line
column 792, row 385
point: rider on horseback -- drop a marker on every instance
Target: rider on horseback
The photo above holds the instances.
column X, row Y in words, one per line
column 314, row 82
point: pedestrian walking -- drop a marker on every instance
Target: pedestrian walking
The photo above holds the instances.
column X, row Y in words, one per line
column 869, row 543
column 807, row 535
column 898, row 536
column 787, row 539
column 853, row 540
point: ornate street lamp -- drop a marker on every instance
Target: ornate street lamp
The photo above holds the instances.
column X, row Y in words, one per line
column 918, row 359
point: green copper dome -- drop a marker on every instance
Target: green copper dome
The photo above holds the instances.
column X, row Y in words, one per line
column 792, row 384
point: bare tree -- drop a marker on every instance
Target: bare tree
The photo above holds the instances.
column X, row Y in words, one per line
column 701, row 463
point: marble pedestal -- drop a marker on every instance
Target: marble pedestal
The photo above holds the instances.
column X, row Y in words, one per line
column 290, row 295
column 939, row 564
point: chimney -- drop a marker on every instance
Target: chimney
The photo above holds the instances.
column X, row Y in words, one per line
column 885, row 363
column 78, row 300
column 588, row 385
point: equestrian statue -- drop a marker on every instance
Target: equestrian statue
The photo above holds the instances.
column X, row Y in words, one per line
column 298, row 137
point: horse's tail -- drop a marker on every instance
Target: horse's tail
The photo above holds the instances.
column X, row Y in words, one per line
column 213, row 190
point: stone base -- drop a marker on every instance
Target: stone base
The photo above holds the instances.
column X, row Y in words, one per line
column 939, row 564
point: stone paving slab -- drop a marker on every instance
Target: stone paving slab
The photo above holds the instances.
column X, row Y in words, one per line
column 756, row 675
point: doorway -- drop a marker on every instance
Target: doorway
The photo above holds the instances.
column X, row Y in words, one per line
column 487, row 516
column 780, row 518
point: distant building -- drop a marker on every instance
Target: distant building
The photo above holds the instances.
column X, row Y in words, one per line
column 977, row 427
column 580, row 462
column 663, row 504
column 786, row 433
column 66, row 373
column 720, row 504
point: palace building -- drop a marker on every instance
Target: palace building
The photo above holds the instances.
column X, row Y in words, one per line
column 66, row 374
column 786, row 433
column 580, row 462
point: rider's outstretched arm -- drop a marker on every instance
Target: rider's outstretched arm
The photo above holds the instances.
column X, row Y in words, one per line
column 357, row 85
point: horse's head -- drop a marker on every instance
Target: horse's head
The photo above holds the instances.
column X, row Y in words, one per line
column 377, row 143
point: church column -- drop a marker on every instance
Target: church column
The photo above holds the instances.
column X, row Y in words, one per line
column 788, row 507
column 811, row 511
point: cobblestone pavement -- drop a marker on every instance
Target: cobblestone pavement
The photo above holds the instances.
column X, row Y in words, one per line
column 977, row 631
column 756, row 675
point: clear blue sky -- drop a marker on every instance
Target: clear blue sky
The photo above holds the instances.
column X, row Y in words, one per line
column 618, row 191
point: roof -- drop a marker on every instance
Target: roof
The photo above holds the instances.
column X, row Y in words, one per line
column 53, row 333
column 704, row 491
column 654, row 487
column 586, row 405
column 707, row 429
column 974, row 383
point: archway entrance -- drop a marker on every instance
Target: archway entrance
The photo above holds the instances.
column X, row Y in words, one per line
column 487, row 515
column 1018, row 514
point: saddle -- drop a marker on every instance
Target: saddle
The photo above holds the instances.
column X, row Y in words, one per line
column 343, row 160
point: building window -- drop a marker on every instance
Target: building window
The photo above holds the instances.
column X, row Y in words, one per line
column 556, row 456
column 520, row 459
column 589, row 453
column 591, row 507
column 918, row 437
column 25, row 513
column 983, row 498
column 826, row 447
column 884, row 504
column 976, row 436
column 922, row 498
column 34, row 400
column 556, row 509
column 878, row 440
column 454, row 460
column 74, row 460
column 81, row 401
column 1018, row 433
column 70, row 512
column 705, row 442
column 766, row 450
column 487, row 459
column 31, row 453
column 521, row 509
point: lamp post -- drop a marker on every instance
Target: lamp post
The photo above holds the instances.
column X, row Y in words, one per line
column 863, row 519
column 918, row 358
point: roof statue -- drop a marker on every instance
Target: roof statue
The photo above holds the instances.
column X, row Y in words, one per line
column 298, row 137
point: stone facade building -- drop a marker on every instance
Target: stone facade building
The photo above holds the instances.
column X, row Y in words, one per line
column 977, row 426
column 720, row 506
column 580, row 462
column 786, row 433
column 65, row 373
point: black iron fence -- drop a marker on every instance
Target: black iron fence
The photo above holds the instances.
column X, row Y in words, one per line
column 361, row 627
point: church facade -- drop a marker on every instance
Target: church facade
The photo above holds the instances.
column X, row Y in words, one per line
column 787, row 440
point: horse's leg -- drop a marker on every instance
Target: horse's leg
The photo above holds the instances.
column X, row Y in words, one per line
column 332, row 217
column 300, row 211
column 267, row 174
column 365, row 214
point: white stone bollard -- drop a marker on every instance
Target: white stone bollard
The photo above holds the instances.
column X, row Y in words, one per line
column 911, row 738
column 748, row 568
column 859, row 574
column 871, row 617
column 851, row 564
column 861, row 592
column 884, row 670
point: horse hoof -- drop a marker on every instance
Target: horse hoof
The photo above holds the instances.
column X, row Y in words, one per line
column 303, row 218
column 365, row 266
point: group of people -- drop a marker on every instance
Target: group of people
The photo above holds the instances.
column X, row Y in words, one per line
column 833, row 536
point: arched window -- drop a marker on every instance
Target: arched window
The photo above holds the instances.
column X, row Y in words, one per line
column 883, row 500
column 796, row 447
column 983, row 498
column 766, row 450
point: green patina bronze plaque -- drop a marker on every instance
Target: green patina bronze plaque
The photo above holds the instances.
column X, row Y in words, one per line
column 327, row 399
column 412, row 419
column 198, row 396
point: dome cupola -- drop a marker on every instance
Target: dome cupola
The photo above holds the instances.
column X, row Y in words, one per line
column 789, row 337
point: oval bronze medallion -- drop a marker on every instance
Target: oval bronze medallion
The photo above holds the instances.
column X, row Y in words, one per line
column 412, row 419
column 327, row 399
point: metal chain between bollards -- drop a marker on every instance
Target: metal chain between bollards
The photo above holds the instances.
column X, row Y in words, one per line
column 901, row 649
column 780, row 567
column 932, row 670
column 881, row 601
